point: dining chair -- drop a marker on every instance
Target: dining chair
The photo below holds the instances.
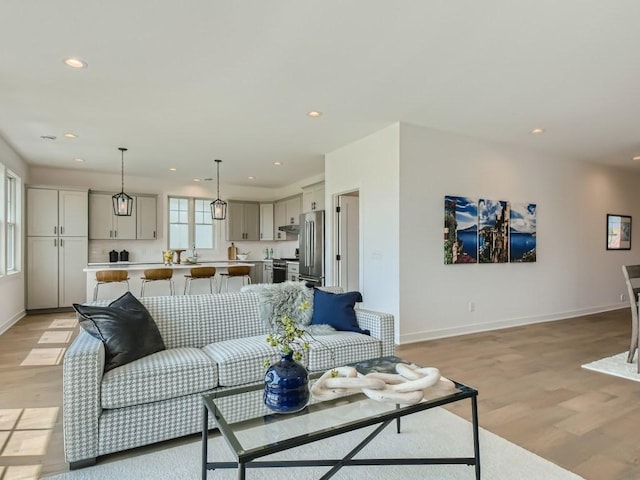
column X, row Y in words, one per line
column 632, row 278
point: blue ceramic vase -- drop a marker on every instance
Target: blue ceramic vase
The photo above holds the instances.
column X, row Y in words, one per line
column 286, row 386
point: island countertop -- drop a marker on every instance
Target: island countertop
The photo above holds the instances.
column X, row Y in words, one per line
column 139, row 266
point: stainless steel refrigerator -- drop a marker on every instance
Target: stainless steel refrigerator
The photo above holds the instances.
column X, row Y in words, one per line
column 312, row 248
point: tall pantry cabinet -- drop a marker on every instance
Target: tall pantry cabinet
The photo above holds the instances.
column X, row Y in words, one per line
column 57, row 246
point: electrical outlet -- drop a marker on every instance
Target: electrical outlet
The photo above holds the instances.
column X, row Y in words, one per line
column 472, row 307
column 623, row 297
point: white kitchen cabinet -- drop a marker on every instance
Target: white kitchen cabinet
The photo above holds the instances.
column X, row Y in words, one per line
column 146, row 217
column 72, row 259
column 293, row 270
column 56, row 212
column 313, row 197
column 104, row 225
column 243, row 221
column 266, row 221
column 267, row 272
column 286, row 212
column 279, row 219
column 57, row 247
column 294, row 209
column 54, row 271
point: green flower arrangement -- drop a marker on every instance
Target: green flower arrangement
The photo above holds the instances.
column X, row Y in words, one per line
column 288, row 337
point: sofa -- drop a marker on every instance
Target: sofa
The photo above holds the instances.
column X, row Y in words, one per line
column 212, row 342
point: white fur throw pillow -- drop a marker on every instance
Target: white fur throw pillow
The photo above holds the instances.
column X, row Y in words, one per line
column 279, row 299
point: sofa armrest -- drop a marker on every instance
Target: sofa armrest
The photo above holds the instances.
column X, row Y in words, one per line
column 82, row 372
column 381, row 326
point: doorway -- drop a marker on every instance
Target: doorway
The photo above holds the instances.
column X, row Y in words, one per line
column 347, row 258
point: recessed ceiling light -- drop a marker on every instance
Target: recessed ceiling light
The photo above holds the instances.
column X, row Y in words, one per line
column 172, row 169
column 196, row 179
column 70, row 135
column 277, row 164
column 75, row 63
column 537, row 131
column 251, row 177
column 636, row 158
column 78, row 160
column 314, row 114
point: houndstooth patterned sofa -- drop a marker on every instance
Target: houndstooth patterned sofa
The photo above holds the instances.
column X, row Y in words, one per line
column 212, row 342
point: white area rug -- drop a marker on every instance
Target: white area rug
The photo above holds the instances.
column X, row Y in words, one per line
column 435, row 432
column 616, row 365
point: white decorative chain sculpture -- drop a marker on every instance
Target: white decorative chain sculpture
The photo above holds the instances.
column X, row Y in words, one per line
column 406, row 387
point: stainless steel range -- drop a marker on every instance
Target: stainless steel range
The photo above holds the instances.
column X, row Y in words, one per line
column 280, row 269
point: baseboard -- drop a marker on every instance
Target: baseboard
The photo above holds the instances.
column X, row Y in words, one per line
column 498, row 325
column 11, row 322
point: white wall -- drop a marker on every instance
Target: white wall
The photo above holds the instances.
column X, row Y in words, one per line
column 403, row 173
column 370, row 165
column 574, row 273
column 12, row 286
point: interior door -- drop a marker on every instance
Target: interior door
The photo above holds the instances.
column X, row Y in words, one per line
column 349, row 241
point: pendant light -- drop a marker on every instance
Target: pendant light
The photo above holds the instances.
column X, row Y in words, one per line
column 122, row 203
column 218, row 207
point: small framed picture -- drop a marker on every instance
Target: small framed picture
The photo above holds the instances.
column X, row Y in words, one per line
column 618, row 232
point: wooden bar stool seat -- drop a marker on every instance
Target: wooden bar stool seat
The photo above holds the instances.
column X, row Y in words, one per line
column 199, row 273
column 235, row 271
column 110, row 276
column 157, row 274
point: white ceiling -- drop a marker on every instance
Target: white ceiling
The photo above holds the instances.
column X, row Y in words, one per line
column 183, row 83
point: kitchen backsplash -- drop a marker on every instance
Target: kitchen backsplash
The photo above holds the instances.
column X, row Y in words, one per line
column 151, row 250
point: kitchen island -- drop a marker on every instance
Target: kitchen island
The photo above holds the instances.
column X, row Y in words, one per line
column 135, row 269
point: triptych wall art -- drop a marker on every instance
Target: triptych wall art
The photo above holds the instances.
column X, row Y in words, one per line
column 488, row 231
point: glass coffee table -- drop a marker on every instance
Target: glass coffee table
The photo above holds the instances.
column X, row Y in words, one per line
column 253, row 431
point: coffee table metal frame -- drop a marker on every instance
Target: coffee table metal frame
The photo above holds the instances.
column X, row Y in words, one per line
column 246, row 458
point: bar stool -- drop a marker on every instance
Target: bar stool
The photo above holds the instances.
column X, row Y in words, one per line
column 200, row 272
column 155, row 274
column 235, row 271
column 110, row 276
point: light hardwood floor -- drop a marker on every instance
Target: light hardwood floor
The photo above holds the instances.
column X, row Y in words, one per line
column 532, row 392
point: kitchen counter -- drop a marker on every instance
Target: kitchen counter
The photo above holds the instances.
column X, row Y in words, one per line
column 138, row 266
column 114, row 290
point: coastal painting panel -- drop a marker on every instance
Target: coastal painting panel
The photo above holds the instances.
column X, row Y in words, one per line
column 460, row 230
column 522, row 238
column 493, row 231
column 618, row 232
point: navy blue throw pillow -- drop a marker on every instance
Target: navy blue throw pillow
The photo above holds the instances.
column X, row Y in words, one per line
column 125, row 327
column 336, row 309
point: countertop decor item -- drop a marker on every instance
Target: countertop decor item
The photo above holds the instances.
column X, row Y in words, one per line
column 218, row 206
column 178, row 253
column 122, row 203
column 232, row 252
column 167, row 257
column 242, row 256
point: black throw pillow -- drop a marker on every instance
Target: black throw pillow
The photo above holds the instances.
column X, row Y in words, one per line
column 125, row 327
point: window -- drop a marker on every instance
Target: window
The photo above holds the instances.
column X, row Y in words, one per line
column 190, row 223
column 10, row 215
column 12, row 223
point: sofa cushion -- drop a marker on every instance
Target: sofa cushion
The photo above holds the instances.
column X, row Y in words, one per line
column 240, row 361
column 336, row 310
column 341, row 348
column 125, row 327
column 161, row 376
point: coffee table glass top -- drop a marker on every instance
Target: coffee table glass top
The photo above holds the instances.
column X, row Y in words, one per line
column 250, row 428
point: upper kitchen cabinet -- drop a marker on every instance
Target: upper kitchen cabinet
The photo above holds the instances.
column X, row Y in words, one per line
column 56, row 212
column 313, row 197
column 286, row 212
column 266, row 221
column 146, row 217
column 243, row 220
column 104, row 225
